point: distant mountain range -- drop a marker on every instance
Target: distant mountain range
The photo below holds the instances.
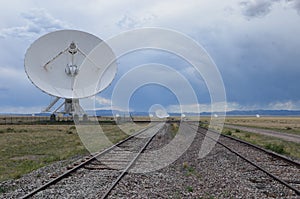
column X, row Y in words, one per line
column 260, row 112
column 229, row 113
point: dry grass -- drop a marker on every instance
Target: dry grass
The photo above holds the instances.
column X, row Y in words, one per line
column 24, row 148
column 282, row 124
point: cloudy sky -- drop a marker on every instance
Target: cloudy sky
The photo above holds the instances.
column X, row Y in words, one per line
column 255, row 45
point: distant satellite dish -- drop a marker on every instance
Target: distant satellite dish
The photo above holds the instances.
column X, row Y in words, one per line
column 257, row 115
column 59, row 64
column 161, row 113
column 158, row 111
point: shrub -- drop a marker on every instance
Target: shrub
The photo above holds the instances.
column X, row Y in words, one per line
column 2, row 190
column 9, row 130
column 72, row 128
column 185, row 165
column 237, row 130
column 189, row 189
column 278, row 148
column 191, row 170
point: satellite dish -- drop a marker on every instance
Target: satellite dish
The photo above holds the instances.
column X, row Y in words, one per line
column 161, row 113
column 59, row 64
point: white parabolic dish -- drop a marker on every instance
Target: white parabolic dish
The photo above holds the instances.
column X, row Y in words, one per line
column 49, row 60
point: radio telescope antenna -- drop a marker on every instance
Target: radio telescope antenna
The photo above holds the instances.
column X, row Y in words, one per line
column 58, row 64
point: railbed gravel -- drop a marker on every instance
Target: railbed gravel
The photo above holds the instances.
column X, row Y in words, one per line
column 220, row 174
column 28, row 182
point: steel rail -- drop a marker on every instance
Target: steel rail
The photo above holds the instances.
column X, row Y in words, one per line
column 67, row 173
column 251, row 162
column 276, row 155
column 125, row 171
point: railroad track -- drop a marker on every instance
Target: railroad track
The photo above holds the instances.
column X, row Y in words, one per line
column 106, row 168
column 278, row 167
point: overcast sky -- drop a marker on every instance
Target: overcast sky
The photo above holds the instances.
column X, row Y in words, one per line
column 255, row 45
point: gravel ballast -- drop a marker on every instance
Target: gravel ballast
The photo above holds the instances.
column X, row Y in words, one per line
column 220, row 174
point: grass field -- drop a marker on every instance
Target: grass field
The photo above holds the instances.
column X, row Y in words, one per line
column 24, row 148
column 282, row 124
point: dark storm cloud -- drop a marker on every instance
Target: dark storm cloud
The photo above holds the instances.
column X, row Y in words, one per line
column 258, row 59
column 259, row 8
column 265, row 70
column 296, row 4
